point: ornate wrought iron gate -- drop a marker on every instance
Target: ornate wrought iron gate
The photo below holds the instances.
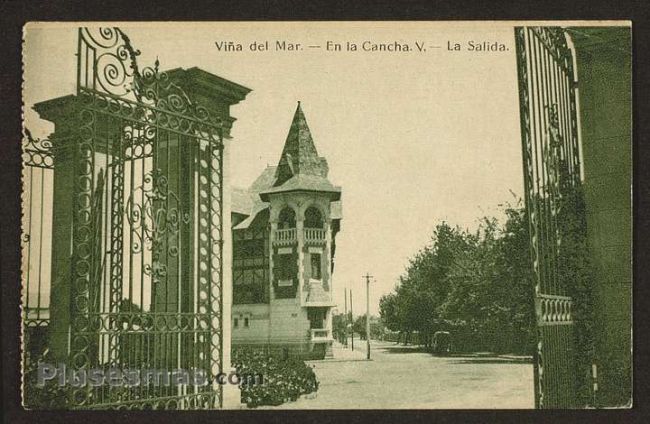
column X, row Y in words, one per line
column 147, row 237
column 38, row 164
column 551, row 163
column 145, row 255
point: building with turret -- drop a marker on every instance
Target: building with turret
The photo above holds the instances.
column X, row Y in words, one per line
column 284, row 228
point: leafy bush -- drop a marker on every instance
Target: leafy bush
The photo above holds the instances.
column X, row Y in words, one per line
column 284, row 380
column 48, row 396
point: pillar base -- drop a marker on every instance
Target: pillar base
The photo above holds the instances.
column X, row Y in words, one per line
column 232, row 396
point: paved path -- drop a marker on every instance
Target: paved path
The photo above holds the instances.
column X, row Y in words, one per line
column 404, row 377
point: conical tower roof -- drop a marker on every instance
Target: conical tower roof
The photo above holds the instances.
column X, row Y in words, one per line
column 299, row 155
column 300, row 168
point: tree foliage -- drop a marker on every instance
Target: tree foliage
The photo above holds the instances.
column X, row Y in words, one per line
column 476, row 284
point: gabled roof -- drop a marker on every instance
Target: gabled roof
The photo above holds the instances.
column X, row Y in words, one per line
column 242, row 201
column 247, row 201
column 264, row 181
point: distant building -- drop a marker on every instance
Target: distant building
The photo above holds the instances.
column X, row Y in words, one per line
column 284, row 230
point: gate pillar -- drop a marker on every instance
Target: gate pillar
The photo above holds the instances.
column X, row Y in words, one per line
column 218, row 96
column 61, row 112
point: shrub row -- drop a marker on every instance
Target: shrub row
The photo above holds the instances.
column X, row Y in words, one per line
column 284, row 380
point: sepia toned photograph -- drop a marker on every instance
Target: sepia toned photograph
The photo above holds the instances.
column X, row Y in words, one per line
column 326, row 215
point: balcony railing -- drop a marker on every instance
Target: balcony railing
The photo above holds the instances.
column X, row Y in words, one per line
column 285, row 236
column 315, row 234
column 320, row 335
column 288, row 236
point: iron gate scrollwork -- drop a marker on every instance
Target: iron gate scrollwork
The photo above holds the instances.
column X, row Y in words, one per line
column 551, row 164
column 38, row 166
column 147, row 230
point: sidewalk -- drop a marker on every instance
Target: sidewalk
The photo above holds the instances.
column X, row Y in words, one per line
column 398, row 378
column 494, row 356
column 342, row 353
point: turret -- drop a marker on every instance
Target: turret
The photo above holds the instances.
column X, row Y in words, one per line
column 301, row 220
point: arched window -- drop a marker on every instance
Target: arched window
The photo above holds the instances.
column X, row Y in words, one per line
column 287, row 219
column 313, row 218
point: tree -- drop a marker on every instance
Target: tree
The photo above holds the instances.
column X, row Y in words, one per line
column 339, row 327
column 377, row 328
column 359, row 326
column 388, row 311
column 477, row 284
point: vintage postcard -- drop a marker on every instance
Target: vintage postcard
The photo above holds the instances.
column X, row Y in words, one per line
column 327, row 215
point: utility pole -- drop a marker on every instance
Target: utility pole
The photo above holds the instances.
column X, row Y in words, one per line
column 351, row 320
column 368, row 277
column 345, row 332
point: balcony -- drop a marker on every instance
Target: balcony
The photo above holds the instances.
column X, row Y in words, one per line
column 315, row 235
column 285, row 236
column 288, row 236
column 320, row 335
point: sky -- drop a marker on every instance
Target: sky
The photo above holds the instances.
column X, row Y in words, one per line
column 413, row 138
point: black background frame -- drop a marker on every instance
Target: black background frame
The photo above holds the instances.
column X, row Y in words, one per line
column 14, row 14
